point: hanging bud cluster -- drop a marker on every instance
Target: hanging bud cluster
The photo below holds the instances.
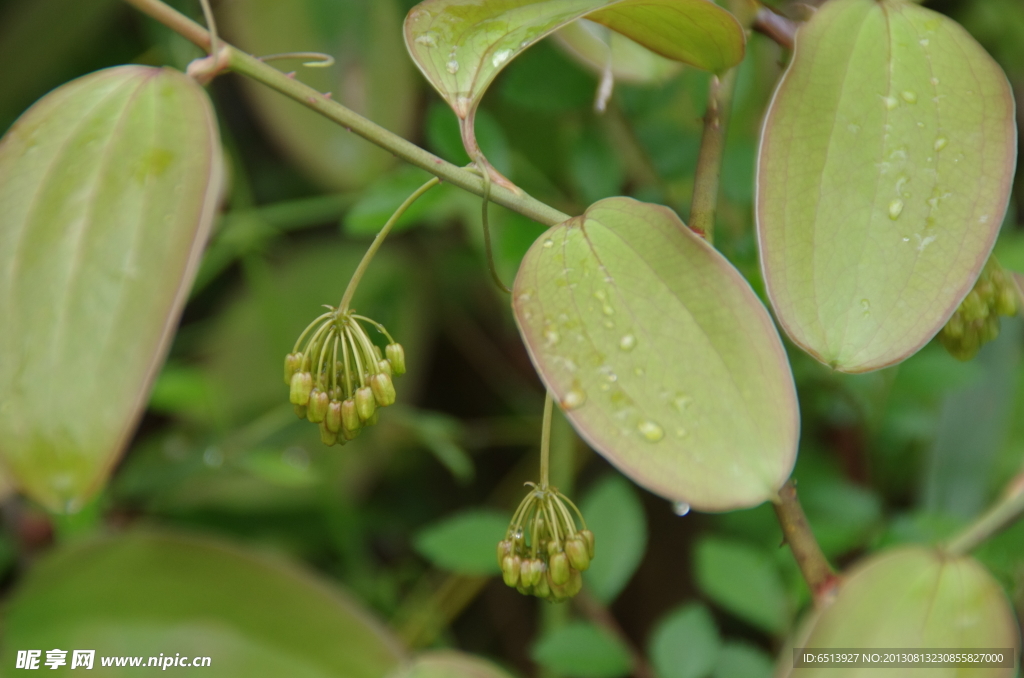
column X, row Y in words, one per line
column 339, row 377
column 543, row 553
column 976, row 321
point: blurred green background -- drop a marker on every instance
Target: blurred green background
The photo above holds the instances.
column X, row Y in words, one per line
column 228, row 528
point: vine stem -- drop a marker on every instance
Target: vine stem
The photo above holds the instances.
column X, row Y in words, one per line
column 545, row 442
column 1007, row 510
column 240, row 62
column 797, row 531
column 709, row 161
column 353, row 283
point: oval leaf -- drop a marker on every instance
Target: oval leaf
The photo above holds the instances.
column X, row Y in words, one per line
column 465, row 542
column 616, row 517
column 147, row 594
column 884, row 172
column 108, row 186
column 599, row 48
column 449, row 664
column 461, row 45
column 582, row 650
column 910, row 598
column 370, row 76
column 667, row 363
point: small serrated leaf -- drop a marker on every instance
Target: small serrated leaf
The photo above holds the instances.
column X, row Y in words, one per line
column 662, row 355
column 108, row 187
column 885, row 167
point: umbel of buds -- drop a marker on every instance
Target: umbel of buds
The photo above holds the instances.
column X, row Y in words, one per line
column 338, row 377
column 543, row 552
column 976, row 321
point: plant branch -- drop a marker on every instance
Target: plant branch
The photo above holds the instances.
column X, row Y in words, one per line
column 797, row 532
column 709, row 162
column 545, row 442
column 1006, row 511
column 775, row 26
column 252, row 67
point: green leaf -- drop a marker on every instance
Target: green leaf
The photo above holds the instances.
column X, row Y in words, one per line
column 616, row 517
column 661, row 354
column 597, row 47
column 686, row 644
column 743, row 580
column 107, row 190
column 147, row 594
column 739, row 660
column 910, row 597
column 449, row 664
column 581, row 650
column 884, row 172
column 371, row 76
column 461, row 45
column 465, row 543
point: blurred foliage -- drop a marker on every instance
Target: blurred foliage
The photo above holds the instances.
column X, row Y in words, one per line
column 908, row 454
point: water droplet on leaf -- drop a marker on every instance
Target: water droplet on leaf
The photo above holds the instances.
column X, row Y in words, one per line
column 650, row 430
column 627, row 342
column 895, row 209
column 680, row 508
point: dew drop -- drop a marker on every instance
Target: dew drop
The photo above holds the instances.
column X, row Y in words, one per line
column 627, row 342
column 650, row 430
column 610, row 324
column 573, row 399
column 681, row 402
column 983, row 219
column 854, row 129
column 895, row 209
column 501, row 57
column 900, row 185
column 909, row 97
column 891, row 102
column 428, row 39
column 452, row 66
column 600, row 295
column 940, row 143
column 923, row 42
column 639, row 371
column 551, row 336
column 549, row 243
column 681, row 432
column 607, row 310
column 935, row 81
column 866, row 305
column 525, row 297
column 680, row 508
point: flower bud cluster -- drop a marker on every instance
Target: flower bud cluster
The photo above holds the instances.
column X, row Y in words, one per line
column 338, row 377
column 543, row 552
column 976, row 321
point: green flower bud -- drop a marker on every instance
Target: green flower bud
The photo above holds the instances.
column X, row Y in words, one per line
column 292, row 364
column 383, row 389
column 318, row 403
column 327, row 436
column 554, row 546
column 300, row 411
column 955, row 327
column 973, row 307
column 385, row 367
column 396, row 356
column 333, row 418
column 575, row 583
column 576, row 551
column 504, row 549
column 542, row 589
column 559, row 566
column 365, row 403
column 349, row 416
column 301, row 386
column 989, row 329
column 588, row 538
column 510, row 569
column 1006, row 302
column 372, row 421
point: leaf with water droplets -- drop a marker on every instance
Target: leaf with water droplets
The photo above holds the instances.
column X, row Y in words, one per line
column 680, row 376
column 598, row 48
column 885, row 168
column 911, row 597
column 108, row 186
column 461, row 45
